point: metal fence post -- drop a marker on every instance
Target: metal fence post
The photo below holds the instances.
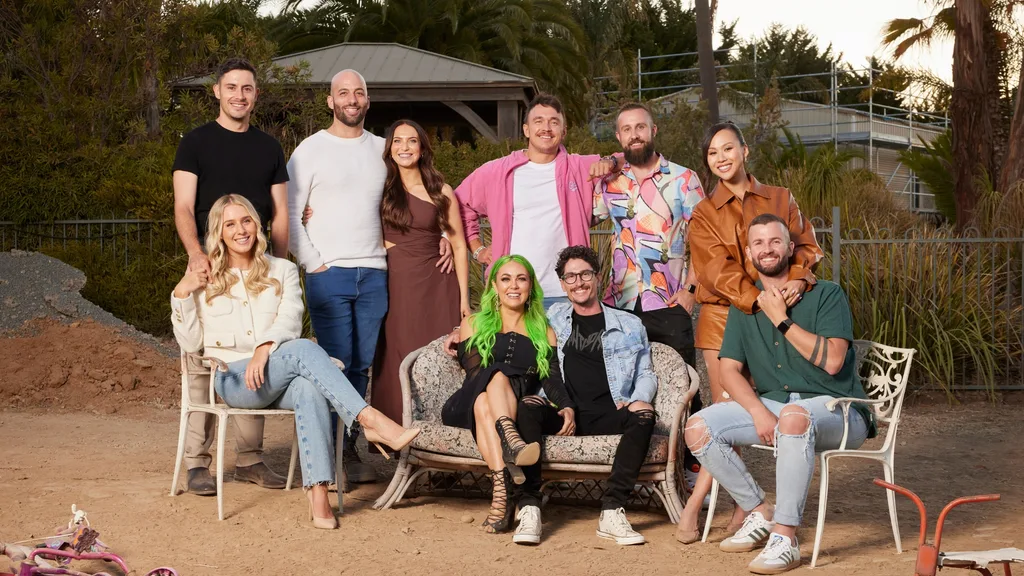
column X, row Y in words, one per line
column 836, row 254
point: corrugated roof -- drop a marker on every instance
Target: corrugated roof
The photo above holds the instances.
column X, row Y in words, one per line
column 396, row 64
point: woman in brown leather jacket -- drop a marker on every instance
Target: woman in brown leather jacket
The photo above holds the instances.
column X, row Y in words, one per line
column 718, row 236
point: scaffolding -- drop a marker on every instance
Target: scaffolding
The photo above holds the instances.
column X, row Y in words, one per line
column 880, row 131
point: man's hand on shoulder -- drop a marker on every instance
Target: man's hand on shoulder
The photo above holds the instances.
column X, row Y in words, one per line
column 604, row 167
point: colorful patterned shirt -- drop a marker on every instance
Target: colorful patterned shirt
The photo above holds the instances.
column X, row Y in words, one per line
column 650, row 220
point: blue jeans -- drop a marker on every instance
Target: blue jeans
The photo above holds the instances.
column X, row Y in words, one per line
column 728, row 424
column 347, row 307
column 551, row 300
column 299, row 376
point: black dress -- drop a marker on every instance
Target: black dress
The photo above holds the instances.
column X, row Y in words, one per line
column 515, row 357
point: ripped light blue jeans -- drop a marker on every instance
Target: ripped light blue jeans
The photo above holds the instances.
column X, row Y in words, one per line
column 728, row 424
column 299, row 376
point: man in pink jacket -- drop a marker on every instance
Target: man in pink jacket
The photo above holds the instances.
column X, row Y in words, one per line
column 538, row 201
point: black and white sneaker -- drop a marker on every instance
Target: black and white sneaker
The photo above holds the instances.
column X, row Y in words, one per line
column 780, row 554
column 752, row 533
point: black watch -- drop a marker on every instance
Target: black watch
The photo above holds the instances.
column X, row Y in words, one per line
column 692, row 288
column 783, row 326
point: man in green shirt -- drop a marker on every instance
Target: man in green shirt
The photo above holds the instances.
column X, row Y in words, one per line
column 800, row 358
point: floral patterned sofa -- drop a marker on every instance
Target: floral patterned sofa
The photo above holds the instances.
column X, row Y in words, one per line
column 429, row 377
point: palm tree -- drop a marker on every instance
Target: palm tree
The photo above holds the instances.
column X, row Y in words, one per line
column 536, row 38
column 708, row 81
column 986, row 132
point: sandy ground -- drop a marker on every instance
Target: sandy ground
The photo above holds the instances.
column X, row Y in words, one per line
column 114, row 459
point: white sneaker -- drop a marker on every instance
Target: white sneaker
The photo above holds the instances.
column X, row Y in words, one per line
column 779, row 555
column 529, row 529
column 614, row 526
column 752, row 533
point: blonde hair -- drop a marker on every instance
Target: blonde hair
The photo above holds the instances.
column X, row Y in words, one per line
column 222, row 277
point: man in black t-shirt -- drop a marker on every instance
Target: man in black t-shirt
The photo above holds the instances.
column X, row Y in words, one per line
column 606, row 365
column 228, row 156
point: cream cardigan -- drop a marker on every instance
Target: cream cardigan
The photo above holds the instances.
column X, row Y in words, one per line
column 231, row 326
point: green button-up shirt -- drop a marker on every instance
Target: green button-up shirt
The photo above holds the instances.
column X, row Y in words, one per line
column 778, row 368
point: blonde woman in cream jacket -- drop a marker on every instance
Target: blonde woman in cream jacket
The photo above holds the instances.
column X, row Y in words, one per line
column 248, row 313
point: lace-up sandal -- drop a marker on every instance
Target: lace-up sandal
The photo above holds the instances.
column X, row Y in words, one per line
column 499, row 517
column 514, row 451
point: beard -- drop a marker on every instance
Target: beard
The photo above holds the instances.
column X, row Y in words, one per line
column 339, row 113
column 638, row 157
column 774, row 271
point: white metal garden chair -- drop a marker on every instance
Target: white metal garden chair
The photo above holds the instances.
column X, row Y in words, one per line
column 197, row 365
column 884, row 371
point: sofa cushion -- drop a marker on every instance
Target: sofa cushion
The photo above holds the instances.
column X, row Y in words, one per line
column 436, row 376
column 441, row 439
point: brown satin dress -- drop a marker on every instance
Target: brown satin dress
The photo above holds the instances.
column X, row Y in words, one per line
column 423, row 302
column 718, row 236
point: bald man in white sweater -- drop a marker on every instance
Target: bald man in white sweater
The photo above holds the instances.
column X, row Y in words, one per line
column 339, row 174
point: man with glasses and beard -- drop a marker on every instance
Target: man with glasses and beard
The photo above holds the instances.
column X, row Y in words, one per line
column 612, row 397
column 650, row 203
column 800, row 359
column 339, row 174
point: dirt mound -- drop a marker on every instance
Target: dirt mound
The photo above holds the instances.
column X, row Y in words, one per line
column 84, row 364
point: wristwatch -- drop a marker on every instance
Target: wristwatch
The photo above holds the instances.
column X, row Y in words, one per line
column 783, row 326
column 691, row 288
column 615, row 161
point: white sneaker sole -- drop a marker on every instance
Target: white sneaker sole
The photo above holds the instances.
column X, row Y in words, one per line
column 630, row 541
column 774, row 569
column 526, row 539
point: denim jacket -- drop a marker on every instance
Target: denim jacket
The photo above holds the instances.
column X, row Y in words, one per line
column 627, row 353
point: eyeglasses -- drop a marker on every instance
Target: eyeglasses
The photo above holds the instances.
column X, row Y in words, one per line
column 570, row 277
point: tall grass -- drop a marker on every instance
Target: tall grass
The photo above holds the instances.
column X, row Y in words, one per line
column 956, row 302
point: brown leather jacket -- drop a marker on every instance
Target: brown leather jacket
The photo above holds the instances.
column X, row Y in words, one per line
column 718, row 236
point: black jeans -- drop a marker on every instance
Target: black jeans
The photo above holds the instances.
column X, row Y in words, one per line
column 537, row 419
column 674, row 328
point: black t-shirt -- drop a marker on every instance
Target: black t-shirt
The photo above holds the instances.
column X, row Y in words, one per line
column 226, row 162
column 585, row 375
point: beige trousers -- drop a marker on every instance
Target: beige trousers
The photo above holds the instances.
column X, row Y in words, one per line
column 248, row 431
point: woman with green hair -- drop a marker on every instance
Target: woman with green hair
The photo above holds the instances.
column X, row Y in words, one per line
column 508, row 352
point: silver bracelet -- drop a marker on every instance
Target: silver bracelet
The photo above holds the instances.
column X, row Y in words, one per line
column 478, row 251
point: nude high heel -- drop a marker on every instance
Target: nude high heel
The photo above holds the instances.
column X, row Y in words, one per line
column 321, row 523
column 396, row 444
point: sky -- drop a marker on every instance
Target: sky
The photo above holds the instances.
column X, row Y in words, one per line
column 853, row 28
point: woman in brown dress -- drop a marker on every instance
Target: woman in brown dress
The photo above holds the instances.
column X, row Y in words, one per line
column 718, row 235
column 423, row 302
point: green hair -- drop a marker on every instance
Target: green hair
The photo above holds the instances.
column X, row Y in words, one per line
column 487, row 322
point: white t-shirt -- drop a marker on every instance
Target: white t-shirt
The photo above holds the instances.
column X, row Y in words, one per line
column 537, row 230
column 342, row 180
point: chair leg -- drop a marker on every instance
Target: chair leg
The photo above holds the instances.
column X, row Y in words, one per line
column 291, row 462
column 401, row 473
column 669, row 500
column 222, row 428
column 711, row 510
column 891, row 497
column 822, row 507
column 182, row 432
column 339, row 461
column 409, row 481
